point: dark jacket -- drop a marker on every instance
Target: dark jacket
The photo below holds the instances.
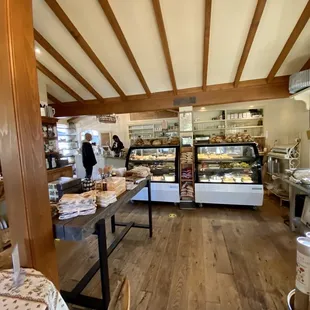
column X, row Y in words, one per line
column 117, row 147
column 88, row 156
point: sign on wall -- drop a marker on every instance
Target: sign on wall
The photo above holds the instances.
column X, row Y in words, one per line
column 107, row 118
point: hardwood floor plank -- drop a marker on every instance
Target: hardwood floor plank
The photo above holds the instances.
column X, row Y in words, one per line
column 161, row 289
column 250, row 297
column 223, row 264
column 210, row 258
column 178, row 294
column 196, row 278
column 211, row 286
column 228, row 292
column 151, row 274
column 212, row 306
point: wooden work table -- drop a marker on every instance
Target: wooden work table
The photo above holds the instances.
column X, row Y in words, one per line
column 81, row 227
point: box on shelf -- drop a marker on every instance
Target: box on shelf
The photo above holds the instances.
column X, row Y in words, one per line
column 116, row 184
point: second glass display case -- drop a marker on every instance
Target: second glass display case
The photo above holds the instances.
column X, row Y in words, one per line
column 163, row 162
column 228, row 174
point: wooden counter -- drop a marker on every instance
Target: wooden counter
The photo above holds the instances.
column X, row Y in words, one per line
column 54, row 174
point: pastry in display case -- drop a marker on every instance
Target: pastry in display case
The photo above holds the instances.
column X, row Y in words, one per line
column 163, row 162
column 228, row 173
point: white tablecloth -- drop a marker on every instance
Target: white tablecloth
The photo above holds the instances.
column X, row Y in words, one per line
column 37, row 292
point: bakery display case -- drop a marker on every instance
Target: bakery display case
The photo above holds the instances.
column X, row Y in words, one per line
column 163, row 162
column 228, row 173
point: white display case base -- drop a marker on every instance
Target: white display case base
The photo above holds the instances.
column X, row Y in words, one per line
column 230, row 194
column 161, row 192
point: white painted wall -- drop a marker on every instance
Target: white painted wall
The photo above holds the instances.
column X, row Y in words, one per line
column 284, row 120
column 120, row 128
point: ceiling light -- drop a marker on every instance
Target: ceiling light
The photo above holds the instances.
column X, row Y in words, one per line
column 251, row 106
column 202, row 109
column 37, row 51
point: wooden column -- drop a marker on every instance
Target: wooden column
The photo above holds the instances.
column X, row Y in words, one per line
column 21, row 142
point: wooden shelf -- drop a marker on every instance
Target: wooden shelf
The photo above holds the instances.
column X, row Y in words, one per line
column 50, row 138
column 187, row 180
column 244, row 119
column 51, row 153
column 49, row 120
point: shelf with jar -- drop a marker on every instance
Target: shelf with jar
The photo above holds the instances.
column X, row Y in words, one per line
column 67, row 142
column 49, row 132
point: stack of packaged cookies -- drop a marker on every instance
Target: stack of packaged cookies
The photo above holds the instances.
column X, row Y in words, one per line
column 186, row 158
column 187, row 190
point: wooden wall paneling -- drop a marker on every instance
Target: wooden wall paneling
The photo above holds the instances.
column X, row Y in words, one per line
column 60, row 83
column 305, row 15
column 250, row 38
column 164, row 42
column 53, row 99
column 50, row 49
column 306, row 66
column 122, row 40
column 21, row 141
column 61, row 15
column 247, row 91
column 152, row 115
column 208, row 6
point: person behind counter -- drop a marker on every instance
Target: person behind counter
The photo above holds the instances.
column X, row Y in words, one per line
column 117, row 146
column 88, row 156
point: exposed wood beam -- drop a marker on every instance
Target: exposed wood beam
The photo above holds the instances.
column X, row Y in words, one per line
column 50, row 49
column 172, row 111
column 60, row 83
column 21, row 143
column 53, row 99
column 215, row 94
column 208, row 5
column 164, row 42
column 250, row 38
column 305, row 15
column 58, row 11
column 306, row 66
column 122, row 40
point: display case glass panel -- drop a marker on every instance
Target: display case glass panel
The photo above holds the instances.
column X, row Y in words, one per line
column 162, row 162
column 228, row 163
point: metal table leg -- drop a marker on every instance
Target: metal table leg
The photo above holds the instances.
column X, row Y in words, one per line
column 150, row 207
column 113, row 223
column 292, row 196
column 103, row 260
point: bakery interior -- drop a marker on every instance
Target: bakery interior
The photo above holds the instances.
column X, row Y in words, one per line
column 206, row 205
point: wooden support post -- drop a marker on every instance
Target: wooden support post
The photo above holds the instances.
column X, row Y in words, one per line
column 21, row 142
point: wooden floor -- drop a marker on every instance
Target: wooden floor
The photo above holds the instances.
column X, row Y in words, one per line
column 210, row 258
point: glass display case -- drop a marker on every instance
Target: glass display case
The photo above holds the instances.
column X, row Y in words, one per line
column 228, row 173
column 163, row 162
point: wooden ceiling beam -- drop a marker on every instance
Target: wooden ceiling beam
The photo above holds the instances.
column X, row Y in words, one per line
column 50, row 49
column 122, row 40
column 164, row 42
column 61, row 15
column 250, row 38
column 60, row 83
column 53, row 99
column 306, row 66
column 215, row 94
column 208, row 6
column 304, row 17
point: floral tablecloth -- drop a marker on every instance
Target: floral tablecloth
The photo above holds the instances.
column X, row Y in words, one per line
column 36, row 292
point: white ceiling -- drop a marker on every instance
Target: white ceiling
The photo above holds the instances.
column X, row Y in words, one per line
column 184, row 23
